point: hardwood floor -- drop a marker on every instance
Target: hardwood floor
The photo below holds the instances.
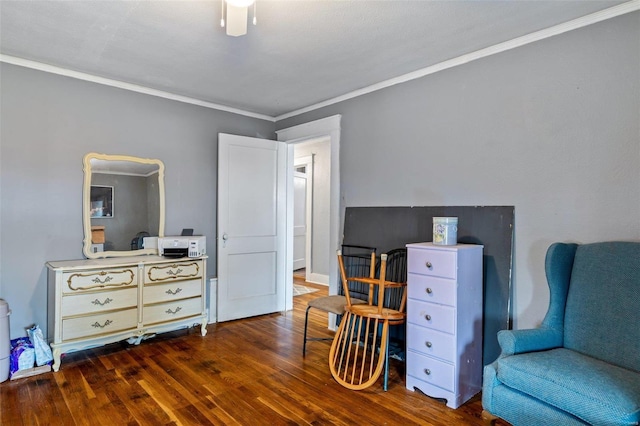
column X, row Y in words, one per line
column 246, row 372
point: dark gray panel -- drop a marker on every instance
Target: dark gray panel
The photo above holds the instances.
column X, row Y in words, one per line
column 387, row 228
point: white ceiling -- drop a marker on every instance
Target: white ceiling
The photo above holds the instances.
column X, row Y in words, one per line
column 300, row 54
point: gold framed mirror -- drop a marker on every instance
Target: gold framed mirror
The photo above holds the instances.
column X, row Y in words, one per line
column 122, row 202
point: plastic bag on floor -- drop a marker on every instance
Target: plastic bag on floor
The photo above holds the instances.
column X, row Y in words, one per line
column 22, row 355
column 42, row 349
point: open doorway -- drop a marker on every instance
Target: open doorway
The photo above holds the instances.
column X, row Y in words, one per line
column 327, row 129
column 302, row 214
column 312, row 199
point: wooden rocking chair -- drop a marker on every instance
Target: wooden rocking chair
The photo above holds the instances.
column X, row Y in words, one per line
column 359, row 351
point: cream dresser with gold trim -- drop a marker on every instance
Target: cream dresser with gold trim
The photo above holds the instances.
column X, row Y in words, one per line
column 98, row 301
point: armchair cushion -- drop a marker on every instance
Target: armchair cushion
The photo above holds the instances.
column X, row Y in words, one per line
column 588, row 388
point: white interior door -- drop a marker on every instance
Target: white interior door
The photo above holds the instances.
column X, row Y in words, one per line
column 251, row 226
column 299, row 218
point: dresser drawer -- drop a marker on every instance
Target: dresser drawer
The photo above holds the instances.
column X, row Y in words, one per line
column 95, row 325
column 90, row 303
column 431, row 342
column 433, row 262
column 173, row 271
column 170, row 311
column 157, row 293
column 432, row 289
column 431, row 370
column 75, row 282
column 431, row 315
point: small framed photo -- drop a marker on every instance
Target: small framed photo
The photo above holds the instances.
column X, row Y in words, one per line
column 101, row 201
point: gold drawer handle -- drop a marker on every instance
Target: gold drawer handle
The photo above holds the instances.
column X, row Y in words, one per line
column 97, row 280
column 169, row 311
column 97, row 324
column 106, row 301
column 173, row 274
column 427, row 317
column 429, row 290
column 429, row 265
column 173, row 293
column 427, row 371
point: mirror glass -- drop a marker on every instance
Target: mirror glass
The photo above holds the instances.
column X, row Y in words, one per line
column 123, row 202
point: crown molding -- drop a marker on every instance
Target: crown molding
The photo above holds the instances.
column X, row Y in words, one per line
column 603, row 15
column 128, row 86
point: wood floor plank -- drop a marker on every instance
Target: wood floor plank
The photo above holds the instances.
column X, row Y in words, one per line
column 15, row 401
column 47, row 409
column 242, row 372
column 140, row 404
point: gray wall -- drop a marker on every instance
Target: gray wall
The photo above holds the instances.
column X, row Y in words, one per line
column 551, row 128
column 49, row 123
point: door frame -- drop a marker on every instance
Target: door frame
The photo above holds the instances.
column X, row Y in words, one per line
column 322, row 128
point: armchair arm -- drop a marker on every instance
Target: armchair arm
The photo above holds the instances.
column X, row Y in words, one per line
column 519, row 341
column 558, row 267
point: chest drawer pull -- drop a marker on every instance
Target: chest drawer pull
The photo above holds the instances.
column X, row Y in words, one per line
column 106, row 301
column 427, row 371
column 429, row 265
column 429, row 344
column 173, row 292
column 97, row 324
column 429, row 290
column 427, row 317
column 169, row 311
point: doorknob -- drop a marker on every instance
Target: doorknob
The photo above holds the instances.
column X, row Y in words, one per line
column 225, row 237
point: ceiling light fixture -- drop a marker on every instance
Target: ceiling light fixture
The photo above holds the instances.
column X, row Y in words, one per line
column 234, row 16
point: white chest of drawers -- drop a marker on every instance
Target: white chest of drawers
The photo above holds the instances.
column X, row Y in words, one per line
column 95, row 302
column 444, row 321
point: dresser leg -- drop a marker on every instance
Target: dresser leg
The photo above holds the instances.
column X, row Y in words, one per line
column 56, row 359
column 203, row 328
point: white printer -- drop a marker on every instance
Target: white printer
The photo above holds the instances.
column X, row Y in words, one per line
column 182, row 246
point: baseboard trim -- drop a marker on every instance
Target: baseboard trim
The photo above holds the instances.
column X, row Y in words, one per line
column 317, row 278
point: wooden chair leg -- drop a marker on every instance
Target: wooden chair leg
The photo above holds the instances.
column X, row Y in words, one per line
column 385, row 384
column 488, row 418
column 306, row 324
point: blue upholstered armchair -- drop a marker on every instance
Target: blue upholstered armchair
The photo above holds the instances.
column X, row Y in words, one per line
column 582, row 366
